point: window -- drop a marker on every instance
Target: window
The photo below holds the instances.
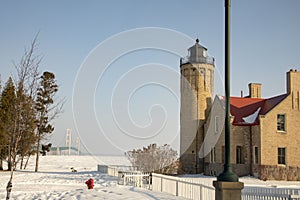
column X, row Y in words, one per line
column 213, row 155
column 202, row 71
column 217, row 124
column 281, row 156
column 223, row 154
column 255, row 155
column 281, row 122
column 239, row 155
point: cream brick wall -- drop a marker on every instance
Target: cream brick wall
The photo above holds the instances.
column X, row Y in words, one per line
column 196, row 95
column 196, row 98
column 271, row 139
column 238, row 137
column 266, row 137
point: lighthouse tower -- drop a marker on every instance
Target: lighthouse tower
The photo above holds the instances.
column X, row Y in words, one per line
column 197, row 86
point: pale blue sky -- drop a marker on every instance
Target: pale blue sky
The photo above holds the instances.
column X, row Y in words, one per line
column 265, row 45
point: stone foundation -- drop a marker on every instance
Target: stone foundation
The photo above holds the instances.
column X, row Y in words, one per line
column 263, row 172
column 274, row 172
column 214, row 169
column 191, row 165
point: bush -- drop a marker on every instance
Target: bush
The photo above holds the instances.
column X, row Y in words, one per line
column 159, row 159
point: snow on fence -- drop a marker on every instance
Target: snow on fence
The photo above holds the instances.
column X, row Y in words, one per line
column 113, row 170
column 183, row 187
column 192, row 188
column 136, row 179
column 127, row 175
column 262, row 193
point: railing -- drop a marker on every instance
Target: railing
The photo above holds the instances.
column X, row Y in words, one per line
column 127, row 175
column 191, row 188
column 136, row 179
column 113, row 170
column 261, row 193
column 187, row 188
column 204, row 60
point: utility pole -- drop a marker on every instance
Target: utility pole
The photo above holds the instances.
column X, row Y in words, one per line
column 78, row 145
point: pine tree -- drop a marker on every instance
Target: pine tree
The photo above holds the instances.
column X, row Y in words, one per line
column 8, row 120
column 19, row 119
column 3, row 142
column 46, row 109
column 26, row 127
column 26, row 108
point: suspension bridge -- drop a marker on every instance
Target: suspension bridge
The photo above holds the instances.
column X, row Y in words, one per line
column 65, row 151
column 69, row 147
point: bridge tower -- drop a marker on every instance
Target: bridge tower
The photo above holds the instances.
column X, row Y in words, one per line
column 68, row 140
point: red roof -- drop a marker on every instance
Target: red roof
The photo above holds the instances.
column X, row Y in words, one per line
column 246, row 111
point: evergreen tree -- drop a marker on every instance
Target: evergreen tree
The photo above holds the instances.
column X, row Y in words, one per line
column 3, row 142
column 26, row 110
column 26, row 127
column 46, row 108
column 7, row 119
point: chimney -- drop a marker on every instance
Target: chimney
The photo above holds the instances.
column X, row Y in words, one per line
column 293, row 81
column 254, row 90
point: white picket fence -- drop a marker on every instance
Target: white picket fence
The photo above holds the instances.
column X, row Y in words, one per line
column 183, row 187
column 259, row 193
column 113, row 170
column 199, row 190
column 127, row 175
column 136, row 179
column 191, row 188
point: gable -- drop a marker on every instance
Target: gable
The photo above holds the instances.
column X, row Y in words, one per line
column 246, row 111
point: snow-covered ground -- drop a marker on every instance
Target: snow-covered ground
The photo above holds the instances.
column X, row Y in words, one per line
column 56, row 181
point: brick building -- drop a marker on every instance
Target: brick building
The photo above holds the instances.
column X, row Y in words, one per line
column 264, row 131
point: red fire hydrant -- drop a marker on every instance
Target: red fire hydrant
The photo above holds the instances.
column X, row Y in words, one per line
column 90, row 183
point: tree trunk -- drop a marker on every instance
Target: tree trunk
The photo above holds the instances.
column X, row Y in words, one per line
column 8, row 189
column 26, row 161
column 37, row 154
column 21, row 164
column 9, row 184
column 12, row 168
column 9, row 158
column 1, row 164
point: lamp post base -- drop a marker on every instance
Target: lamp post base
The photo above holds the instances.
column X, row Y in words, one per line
column 228, row 176
column 228, row 190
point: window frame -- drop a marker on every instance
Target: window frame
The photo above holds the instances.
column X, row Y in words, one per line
column 239, row 158
column 223, row 154
column 213, row 155
column 217, row 119
column 255, row 155
column 281, row 156
column 281, row 126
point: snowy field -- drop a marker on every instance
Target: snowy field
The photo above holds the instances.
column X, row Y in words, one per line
column 56, row 181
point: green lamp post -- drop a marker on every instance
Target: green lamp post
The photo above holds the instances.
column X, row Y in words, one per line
column 227, row 175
